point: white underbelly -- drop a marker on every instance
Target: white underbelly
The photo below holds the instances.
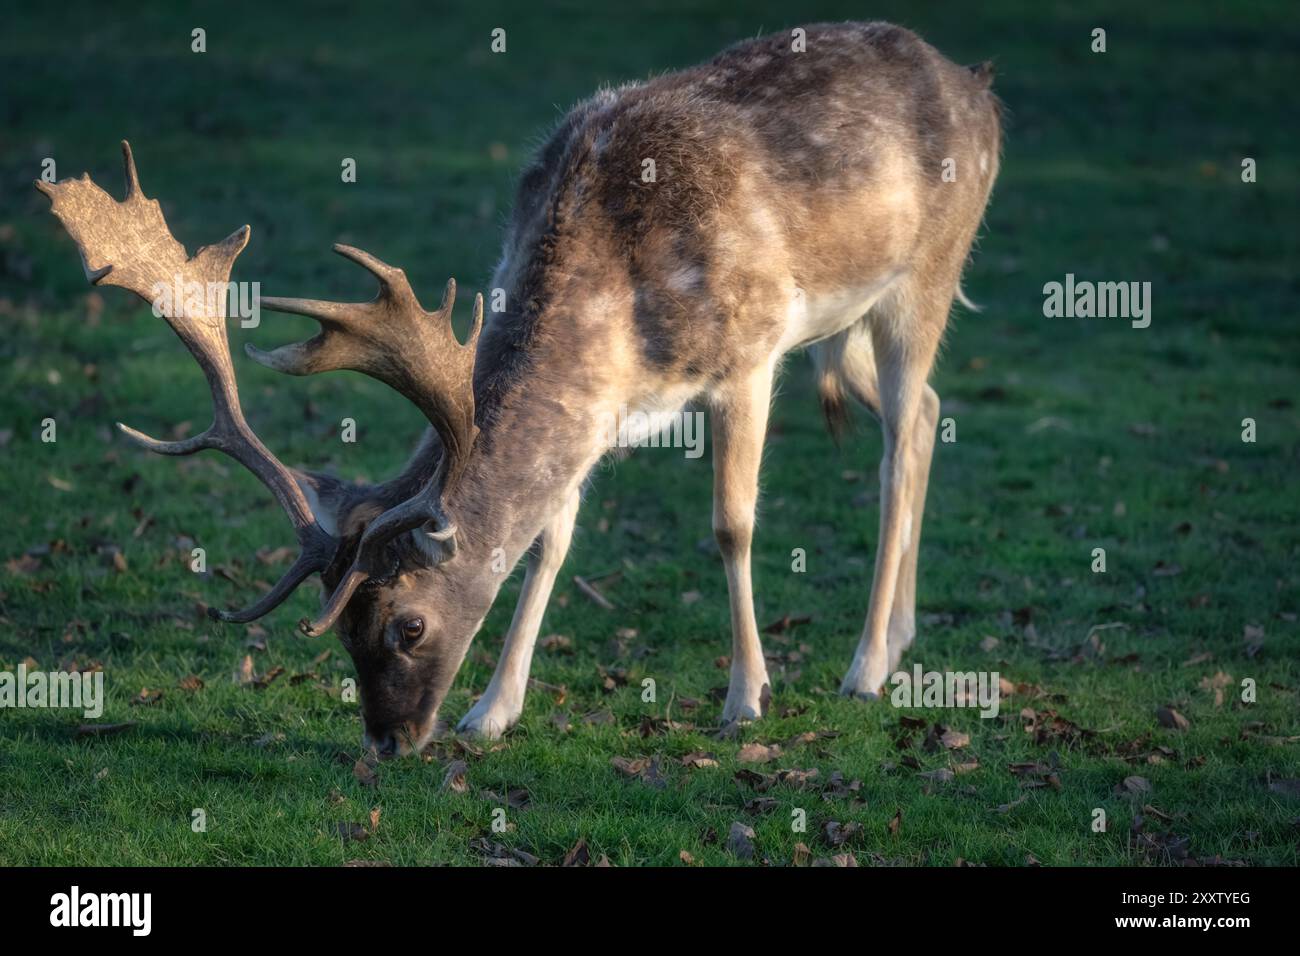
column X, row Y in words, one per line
column 811, row 318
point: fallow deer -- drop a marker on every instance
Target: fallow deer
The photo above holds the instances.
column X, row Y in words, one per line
column 816, row 190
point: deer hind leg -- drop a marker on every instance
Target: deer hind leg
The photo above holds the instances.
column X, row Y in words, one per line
column 503, row 701
column 846, row 363
column 902, row 616
column 739, row 428
column 903, row 341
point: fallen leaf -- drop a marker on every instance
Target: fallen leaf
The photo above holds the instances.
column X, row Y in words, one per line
column 942, row 775
column 516, row 798
column 953, row 739
column 645, row 769
column 1216, row 684
column 630, row 766
column 837, row 834
column 1168, row 717
column 23, row 565
column 758, row 753
column 557, row 643
column 896, row 823
column 454, row 780
column 760, row 805
column 363, row 771
column 741, row 841
column 578, row 854
column 352, row 831
column 1133, row 785
column 699, row 760
column 262, row 681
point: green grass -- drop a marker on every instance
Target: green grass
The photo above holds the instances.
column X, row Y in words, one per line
column 1117, row 166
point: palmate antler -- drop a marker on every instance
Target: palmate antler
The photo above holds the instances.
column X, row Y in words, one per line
column 392, row 339
column 128, row 244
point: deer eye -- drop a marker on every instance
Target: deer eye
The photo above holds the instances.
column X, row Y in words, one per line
column 412, row 630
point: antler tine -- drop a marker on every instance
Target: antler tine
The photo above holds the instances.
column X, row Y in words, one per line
column 393, row 339
column 128, row 244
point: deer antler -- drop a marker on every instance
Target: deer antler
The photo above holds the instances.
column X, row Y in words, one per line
column 128, row 244
column 393, row 339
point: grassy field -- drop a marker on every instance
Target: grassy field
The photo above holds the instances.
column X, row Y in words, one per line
column 1072, row 434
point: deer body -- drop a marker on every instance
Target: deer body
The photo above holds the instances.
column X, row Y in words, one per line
column 797, row 199
column 823, row 198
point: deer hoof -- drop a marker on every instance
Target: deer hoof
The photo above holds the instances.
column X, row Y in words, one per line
column 484, row 720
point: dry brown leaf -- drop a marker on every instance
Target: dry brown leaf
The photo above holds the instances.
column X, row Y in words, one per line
column 740, row 841
column 1172, row 719
column 953, row 739
column 557, row 643
column 454, row 780
column 363, row 771
column 837, row 834
column 146, row 697
column 352, row 831
column 1133, row 785
column 578, row 854
column 699, row 760
column 758, row 753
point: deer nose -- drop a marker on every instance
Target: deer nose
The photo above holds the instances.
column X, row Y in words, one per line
column 383, row 743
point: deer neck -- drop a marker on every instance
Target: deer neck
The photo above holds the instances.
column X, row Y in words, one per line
column 535, row 447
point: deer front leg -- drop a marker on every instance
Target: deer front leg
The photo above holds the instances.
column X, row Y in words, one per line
column 739, row 428
column 503, row 701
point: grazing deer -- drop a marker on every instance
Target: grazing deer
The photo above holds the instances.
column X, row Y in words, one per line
column 799, row 200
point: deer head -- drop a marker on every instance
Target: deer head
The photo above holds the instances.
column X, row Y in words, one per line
column 384, row 552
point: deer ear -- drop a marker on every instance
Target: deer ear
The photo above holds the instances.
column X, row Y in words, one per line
column 333, row 501
column 356, row 516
